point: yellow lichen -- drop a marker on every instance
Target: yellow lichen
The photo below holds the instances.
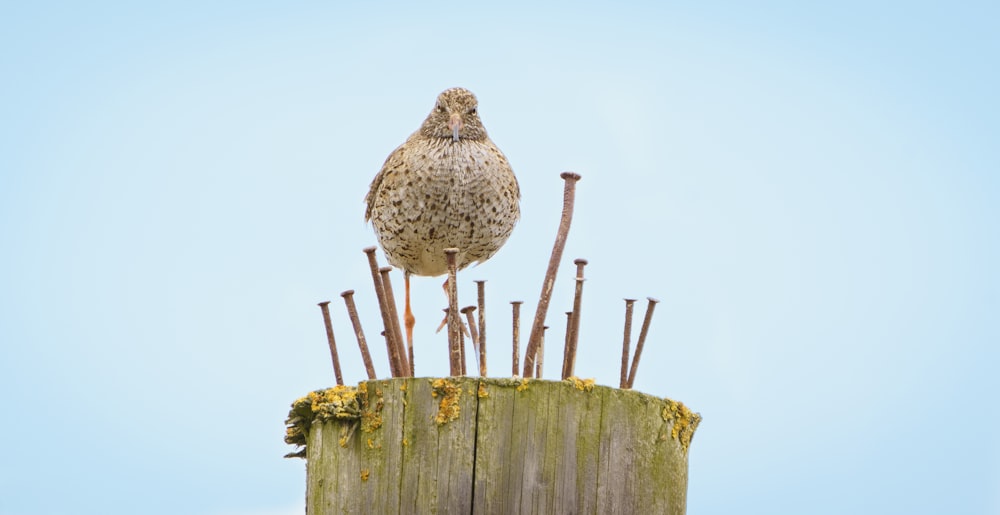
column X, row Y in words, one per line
column 523, row 385
column 449, row 393
column 405, row 442
column 364, row 474
column 684, row 421
column 371, row 417
column 584, row 385
column 482, row 391
column 371, row 444
column 337, row 403
column 371, row 420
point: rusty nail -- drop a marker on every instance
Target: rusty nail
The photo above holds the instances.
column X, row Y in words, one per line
column 574, row 329
column 473, row 332
column 461, row 346
column 516, row 358
column 642, row 339
column 566, row 345
column 481, row 297
column 325, row 308
column 626, row 343
column 454, row 323
column 461, row 338
column 394, row 367
column 540, row 353
column 569, row 194
column 352, row 311
column 397, row 333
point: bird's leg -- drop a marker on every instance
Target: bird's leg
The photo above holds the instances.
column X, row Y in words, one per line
column 408, row 318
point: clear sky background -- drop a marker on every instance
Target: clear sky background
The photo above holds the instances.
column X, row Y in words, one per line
column 811, row 190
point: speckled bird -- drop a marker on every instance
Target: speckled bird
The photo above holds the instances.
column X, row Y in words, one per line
column 447, row 186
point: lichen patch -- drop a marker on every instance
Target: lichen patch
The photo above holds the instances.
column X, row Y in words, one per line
column 584, row 385
column 337, row 403
column 684, row 421
column 448, row 395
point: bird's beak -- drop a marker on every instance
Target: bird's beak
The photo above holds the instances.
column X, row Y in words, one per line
column 455, row 124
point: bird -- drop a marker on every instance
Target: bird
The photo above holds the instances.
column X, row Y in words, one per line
column 446, row 186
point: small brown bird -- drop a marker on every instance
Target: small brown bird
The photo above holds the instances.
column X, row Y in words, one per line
column 447, row 186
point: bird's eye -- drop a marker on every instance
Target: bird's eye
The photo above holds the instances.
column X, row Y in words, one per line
column 472, row 111
column 441, row 108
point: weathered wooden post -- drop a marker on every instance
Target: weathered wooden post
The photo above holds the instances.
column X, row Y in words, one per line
column 491, row 446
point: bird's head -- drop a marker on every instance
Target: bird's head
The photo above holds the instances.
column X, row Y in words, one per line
column 454, row 116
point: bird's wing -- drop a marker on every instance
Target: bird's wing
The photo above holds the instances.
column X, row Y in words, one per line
column 506, row 164
column 517, row 186
column 394, row 164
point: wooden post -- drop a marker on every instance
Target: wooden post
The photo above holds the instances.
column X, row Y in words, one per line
column 485, row 445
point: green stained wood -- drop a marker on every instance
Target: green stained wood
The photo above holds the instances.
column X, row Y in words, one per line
column 471, row 445
column 439, row 430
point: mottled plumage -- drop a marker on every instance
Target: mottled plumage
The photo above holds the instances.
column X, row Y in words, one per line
column 447, row 186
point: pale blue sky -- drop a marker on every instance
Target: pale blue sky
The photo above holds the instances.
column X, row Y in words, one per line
column 811, row 190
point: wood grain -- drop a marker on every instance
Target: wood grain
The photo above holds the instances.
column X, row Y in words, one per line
column 472, row 445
